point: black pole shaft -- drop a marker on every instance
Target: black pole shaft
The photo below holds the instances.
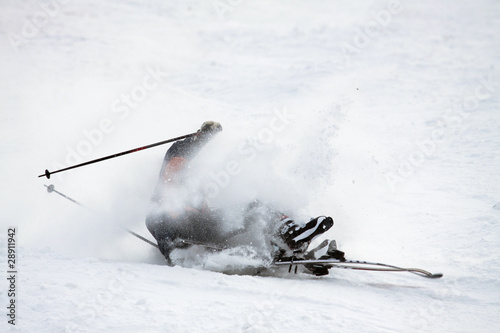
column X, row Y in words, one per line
column 49, row 173
column 141, row 238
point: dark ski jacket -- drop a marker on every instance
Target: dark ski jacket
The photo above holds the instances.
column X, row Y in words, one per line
column 172, row 172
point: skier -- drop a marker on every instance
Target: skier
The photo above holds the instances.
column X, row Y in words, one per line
column 180, row 214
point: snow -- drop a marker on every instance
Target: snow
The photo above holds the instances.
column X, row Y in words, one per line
column 381, row 114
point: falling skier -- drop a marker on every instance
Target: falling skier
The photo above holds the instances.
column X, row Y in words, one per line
column 180, row 216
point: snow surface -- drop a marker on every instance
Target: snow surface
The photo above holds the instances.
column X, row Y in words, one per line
column 383, row 114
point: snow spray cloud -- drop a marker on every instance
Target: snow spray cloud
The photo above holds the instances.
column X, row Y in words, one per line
column 34, row 24
column 120, row 109
column 248, row 151
column 450, row 124
column 371, row 30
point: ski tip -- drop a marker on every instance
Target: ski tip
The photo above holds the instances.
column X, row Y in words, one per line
column 436, row 276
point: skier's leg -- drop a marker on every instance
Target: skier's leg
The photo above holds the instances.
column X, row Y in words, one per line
column 287, row 235
column 203, row 226
column 165, row 230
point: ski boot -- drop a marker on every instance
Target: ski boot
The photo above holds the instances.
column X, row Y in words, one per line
column 333, row 252
column 296, row 236
column 299, row 237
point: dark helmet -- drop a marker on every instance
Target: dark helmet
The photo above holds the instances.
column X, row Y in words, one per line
column 211, row 126
column 208, row 130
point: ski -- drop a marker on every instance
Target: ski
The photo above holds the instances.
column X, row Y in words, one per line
column 325, row 264
column 357, row 265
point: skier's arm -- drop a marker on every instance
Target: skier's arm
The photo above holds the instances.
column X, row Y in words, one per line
column 172, row 169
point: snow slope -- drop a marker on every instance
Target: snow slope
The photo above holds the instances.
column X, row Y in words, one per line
column 382, row 114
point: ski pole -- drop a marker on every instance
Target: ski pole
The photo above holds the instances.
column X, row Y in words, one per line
column 51, row 189
column 48, row 173
column 140, row 237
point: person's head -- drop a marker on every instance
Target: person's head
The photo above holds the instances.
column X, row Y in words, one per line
column 208, row 130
